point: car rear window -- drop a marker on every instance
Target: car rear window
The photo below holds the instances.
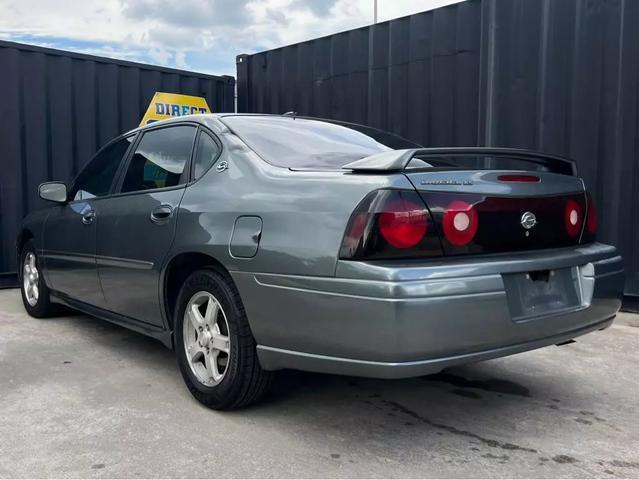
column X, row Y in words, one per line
column 295, row 142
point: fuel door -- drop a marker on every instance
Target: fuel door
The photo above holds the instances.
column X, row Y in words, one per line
column 246, row 237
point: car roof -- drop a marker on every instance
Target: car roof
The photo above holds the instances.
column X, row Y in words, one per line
column 203, row 117
column 206, row 118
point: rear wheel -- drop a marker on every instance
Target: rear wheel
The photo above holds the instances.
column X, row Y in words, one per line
column 35, row 294
column 215, row 347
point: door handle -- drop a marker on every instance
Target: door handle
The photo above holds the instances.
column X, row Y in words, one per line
column 88, row 217
column 161, row 214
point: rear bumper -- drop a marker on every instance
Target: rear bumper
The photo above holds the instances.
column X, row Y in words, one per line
column 392, row 321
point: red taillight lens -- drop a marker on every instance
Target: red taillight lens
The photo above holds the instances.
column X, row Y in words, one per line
column 460, row 223
column 572, row 218
column 390, row 224
column 591, row 220
column 403, row 223
column 519, row 178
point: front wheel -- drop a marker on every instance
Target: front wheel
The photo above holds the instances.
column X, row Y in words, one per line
column 215, row 347
column 35, row 294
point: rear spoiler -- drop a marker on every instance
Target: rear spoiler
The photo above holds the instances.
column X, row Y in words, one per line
column 398, row 160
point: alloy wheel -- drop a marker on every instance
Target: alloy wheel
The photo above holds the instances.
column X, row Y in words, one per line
column 206, row 338
column 30, row 279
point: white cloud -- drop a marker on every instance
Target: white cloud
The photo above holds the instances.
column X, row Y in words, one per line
column 200, row 34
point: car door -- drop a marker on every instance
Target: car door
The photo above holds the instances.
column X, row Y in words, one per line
column 136, row 227
column 69, row 237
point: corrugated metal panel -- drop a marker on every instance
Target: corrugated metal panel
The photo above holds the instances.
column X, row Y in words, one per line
column 554, row 75
column 58, row 108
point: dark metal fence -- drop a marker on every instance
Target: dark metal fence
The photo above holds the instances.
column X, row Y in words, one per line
column 560, row 76
column 58, row 108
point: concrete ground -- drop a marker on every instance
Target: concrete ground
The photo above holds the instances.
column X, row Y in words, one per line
column 82, row 398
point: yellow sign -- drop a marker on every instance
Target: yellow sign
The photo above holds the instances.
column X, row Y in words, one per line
column 168, row 105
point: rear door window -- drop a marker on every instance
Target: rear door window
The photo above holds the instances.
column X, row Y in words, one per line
column 160, row 159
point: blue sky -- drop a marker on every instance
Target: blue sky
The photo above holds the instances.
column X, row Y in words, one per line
column 198, row 35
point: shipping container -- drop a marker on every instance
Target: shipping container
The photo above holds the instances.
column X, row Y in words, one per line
column 58, row 108
column 558, row 76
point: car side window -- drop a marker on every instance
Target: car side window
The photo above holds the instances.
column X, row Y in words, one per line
column 206, row 153
column 96, row 178
column 160, row 159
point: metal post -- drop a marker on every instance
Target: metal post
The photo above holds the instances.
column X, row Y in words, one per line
column 374, row 11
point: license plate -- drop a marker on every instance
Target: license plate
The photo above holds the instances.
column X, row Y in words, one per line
column 538, row 293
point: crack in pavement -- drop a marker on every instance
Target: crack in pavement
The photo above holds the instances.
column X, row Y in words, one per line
column 456, row 431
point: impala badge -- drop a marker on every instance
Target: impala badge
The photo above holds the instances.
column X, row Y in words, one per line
column 528, row 220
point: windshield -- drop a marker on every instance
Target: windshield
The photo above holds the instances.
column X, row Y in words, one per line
column 307, row 143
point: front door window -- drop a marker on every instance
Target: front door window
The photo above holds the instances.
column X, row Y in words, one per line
column 95, row 180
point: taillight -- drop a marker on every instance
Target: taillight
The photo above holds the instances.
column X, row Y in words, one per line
column 475, row 223
column 409, row 224
column 390, row 224
column 591, row 221
column 572, row 218
column 460, row 223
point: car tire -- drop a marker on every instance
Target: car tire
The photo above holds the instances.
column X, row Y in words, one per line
column 240, row 379
column 35, row 293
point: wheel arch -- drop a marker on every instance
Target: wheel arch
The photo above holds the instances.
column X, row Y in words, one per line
column 23, row 237
column 176, row 271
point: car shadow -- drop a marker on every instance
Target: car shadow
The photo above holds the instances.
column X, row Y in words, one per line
column 480, row 385
column 478, row 382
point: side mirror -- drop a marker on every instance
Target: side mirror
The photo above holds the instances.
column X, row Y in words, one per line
column 53, row 192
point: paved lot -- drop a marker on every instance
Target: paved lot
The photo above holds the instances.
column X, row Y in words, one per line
column 83, row 398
